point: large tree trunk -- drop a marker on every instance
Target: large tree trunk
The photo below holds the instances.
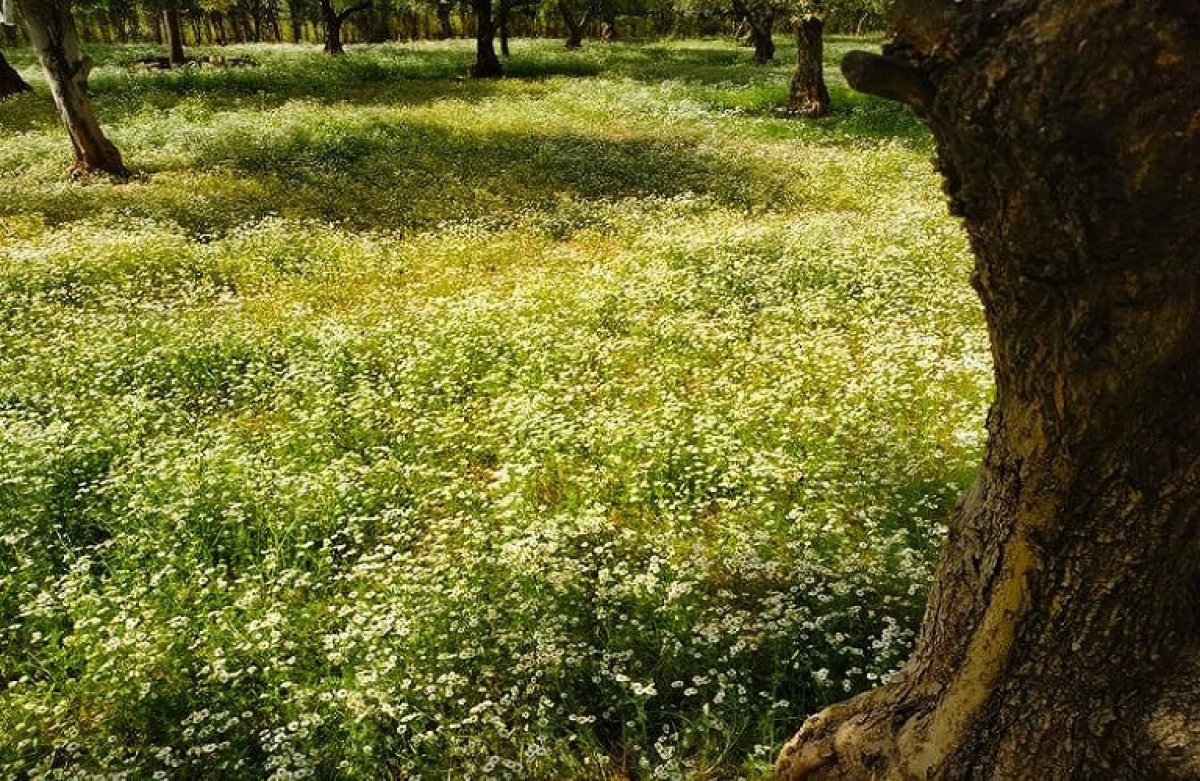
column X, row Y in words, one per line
column 11, row 82
column 174, row 28
column 487, row 64
column 808, row 95
column 51, row 30
column 1061, row 639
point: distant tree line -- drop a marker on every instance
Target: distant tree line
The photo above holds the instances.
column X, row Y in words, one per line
column 222, row 22
column 55, row 29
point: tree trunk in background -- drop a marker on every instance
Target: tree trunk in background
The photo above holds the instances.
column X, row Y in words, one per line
column 445, row 28
column 1061, row 639
column 174, row 28
column 502, row 29
column 333, row 28
column 11, row 82
column 296, row 20
column 808, row 95
column 575, row 26
column 762, row 32
column 51, row 30
column 761, row 24
column 487, row 64
column 333, row 21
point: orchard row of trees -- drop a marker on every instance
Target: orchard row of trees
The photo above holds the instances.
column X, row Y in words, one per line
column 174, row 23
column 54, row 30
column 219, row 22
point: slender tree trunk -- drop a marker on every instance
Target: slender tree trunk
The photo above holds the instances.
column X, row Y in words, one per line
column 11, row 82
column 51, row 30
column 174, row 28
column 502, row 29
column 487, row 64
column 295, row 21
column 156, row 29
column 445, row 28
column 1062, row 638
column 218, row 22
column 574, row 26
column 808, row 95
column 273, row 23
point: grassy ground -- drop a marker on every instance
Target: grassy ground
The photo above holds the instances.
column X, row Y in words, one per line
column 594, row 423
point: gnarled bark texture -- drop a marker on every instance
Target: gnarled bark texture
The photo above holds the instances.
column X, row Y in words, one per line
column 52, row 32
column 11, row 82
column 808, row 95
column 1061, row 639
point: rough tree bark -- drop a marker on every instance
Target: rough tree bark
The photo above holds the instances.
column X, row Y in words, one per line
column 808, row 95
column 333, row 20
column 1061, row 639
column 487, row 64
column 11, row 82
column 51, row 30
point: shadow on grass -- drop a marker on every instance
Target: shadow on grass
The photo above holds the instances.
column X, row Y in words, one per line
column 378, row 173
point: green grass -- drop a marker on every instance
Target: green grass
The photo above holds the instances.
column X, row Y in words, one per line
column 593, row 423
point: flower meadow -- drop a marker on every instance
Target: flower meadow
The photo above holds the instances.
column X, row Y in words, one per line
column 597, row 423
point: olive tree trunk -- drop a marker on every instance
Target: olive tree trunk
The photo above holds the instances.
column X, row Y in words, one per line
column 808, row 95
column 333, row 19
column 11, row 82
column 487, row 64
column 1061, row 636
column 760, row 22
column 174, row 28
column 445, row 28
column 52, row 32
column 575, row 24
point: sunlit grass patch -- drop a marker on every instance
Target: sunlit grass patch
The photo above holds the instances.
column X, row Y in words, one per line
column 593, row 423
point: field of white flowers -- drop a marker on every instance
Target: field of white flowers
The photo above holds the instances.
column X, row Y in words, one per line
column 597, row 423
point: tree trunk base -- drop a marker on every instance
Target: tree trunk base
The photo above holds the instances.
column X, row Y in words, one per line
column 11, row 82
column 809, row 108
column 879, row 735
column 486, row 69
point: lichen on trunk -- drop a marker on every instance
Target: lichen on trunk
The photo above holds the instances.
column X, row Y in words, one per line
column 1062, row 627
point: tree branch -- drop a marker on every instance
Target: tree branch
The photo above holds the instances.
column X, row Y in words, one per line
column 344, row 14
column 889, row 77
